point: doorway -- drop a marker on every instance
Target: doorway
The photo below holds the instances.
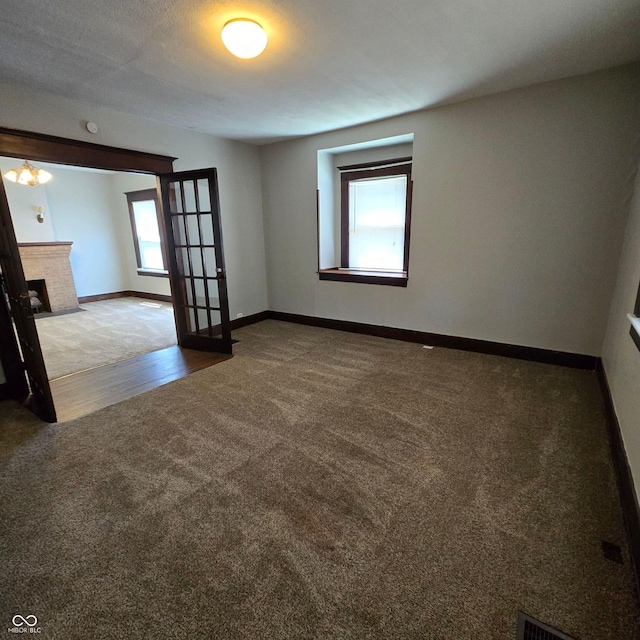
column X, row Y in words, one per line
column 93, row 305
column 201, row 319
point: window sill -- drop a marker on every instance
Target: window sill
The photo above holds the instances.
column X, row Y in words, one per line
column 157, row 273
column 389, row 278
column 635, row 330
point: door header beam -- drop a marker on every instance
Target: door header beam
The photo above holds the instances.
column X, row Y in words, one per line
column 16, row 143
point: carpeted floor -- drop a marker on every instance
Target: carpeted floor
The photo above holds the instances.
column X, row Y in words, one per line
column 107, row 331
column 320, row 485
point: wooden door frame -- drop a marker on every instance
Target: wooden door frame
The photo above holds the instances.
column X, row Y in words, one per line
column 15, row 386
column 16, row 143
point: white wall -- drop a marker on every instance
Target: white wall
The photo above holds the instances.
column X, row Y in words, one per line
column 121, row 183
column 621, row 357
column 24, row 202
column 90, row 209
column 81, row 212
column 329, row 255
column 516, row 224
column 238, row 172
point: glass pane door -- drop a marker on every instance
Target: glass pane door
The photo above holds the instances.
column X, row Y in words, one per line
column 194, row 244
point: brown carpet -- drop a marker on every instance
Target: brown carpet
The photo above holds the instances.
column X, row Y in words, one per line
column 107, row 331
column 320, row 485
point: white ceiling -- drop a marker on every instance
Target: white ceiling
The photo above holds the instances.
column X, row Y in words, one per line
column 328, row 64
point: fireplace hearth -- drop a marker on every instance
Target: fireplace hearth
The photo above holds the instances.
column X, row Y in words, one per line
column 48, row 263
column 38, row 295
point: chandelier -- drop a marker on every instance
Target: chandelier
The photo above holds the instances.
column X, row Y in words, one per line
column 28, row 174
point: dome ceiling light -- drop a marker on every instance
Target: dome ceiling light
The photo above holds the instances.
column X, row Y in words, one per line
column 245, row 38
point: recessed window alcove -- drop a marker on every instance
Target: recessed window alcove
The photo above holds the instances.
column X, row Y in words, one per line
column 363, row 217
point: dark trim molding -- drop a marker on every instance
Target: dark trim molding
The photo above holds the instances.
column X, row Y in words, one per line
column 345, row 275
column 574, row 360
column 124, row 294
column 344, row 224
column 237, row 323
column 10, row 357
column 17, row 143
column 634, row 335
column 101, row 296
column 140, row 195
column 318, row 225
column 161, row 297
column 626, row 488
column 247, row 320
column 57, row 243
column 5, row 392
column 376, row 170
column 375, row 165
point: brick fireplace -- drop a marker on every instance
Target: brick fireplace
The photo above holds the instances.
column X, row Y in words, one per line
column 49, row 261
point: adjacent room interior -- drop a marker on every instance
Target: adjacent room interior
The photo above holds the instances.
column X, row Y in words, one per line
column 91, row 252
column 97, row 283
column 429, row 424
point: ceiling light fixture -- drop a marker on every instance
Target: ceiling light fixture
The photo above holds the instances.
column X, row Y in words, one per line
column 245, row 38
column 28, row 174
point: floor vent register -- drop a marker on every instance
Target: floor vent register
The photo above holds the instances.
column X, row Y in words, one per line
column 531, row 629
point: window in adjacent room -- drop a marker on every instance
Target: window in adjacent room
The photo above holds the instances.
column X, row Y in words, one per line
column 145, row 224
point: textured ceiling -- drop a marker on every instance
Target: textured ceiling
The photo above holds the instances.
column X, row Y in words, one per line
column 328, row 64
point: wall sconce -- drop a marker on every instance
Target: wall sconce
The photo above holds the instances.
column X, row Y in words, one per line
column 28, row 174
column 40, row 216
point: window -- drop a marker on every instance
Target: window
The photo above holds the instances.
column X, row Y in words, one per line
column 375, row 216
column 374, row 208
column 143, row 211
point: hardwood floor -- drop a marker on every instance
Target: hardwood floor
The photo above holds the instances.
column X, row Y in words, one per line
column 81, row 393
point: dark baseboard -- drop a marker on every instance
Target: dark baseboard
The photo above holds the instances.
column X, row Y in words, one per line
column 149, row 296
column 626, row 487
column 101, row 296
column 124, row 294
column 237, row 323
column 247, row 320
column 5, row 393
column 574, row 360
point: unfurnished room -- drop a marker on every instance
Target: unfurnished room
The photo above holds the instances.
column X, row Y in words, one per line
column 320, row 320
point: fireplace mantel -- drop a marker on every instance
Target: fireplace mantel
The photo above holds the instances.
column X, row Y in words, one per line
column 49, row 261
column 43, row 244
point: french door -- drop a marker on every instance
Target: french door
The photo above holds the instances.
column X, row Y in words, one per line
column 41, row 402
column 191, row 212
